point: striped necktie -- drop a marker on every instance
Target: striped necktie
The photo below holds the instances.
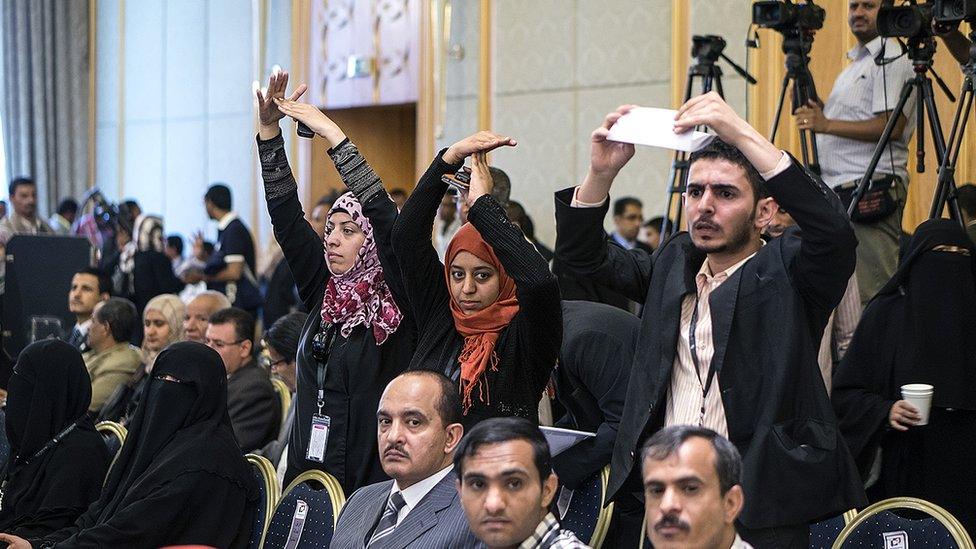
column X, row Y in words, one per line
column 388, row 521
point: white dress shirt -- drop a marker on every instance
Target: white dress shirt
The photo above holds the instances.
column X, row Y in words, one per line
column 415, row 493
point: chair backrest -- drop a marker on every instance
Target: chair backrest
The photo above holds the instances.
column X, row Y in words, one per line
column 114, row 435
column 269, row 492
column 879, row 526
column 284, row 397
column 584, row 513
column 306, row 514
column 824, row 533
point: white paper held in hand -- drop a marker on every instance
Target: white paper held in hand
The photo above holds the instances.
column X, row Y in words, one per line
column 655, row 127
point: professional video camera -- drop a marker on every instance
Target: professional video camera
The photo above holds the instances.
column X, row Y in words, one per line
column 912, row 20
column 707, row 47
column 953, row 11
column 785, row 15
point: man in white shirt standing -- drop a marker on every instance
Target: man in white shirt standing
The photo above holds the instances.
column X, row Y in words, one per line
column 692, row 492
column 418, row 428
column 848, row 129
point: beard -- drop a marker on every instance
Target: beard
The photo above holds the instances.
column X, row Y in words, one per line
column 739, row 237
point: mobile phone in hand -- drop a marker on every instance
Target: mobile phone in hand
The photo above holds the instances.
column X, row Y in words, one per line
column 304, row 131
column 460, row 180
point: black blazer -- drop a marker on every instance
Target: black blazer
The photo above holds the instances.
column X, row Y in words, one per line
column 768, row 318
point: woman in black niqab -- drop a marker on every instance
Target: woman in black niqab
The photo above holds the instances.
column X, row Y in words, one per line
column 58, row 460
column 180, row 478
column 921, row 328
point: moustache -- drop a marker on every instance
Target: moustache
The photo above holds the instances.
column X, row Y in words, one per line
column 705, row 224
column 395, row 448
column 672, row 521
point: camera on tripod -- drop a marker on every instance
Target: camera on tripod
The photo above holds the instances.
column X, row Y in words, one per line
column 954, row 11
column 914, row 20
column 784, row 15
column 707, row 48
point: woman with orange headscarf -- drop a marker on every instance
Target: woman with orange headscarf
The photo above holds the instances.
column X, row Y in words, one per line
column 489, row 317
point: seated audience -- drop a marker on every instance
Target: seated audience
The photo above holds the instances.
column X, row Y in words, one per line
column 281, row 347
column 162, row 325
column 628, row 216
column 843, row 320
column 507, row 485
column 418, row 427
column 692, row 489
column 58, row 461
column 920, row 328
column 61, row 220
column 255, row 412
column 180, row 478
column 651, row 232
column 111, row 359
column 198, row 312
column 24, row 218
column 591, row 384
column 89, row 286
column 357, row 334
column 144, row 270
column 490, row 317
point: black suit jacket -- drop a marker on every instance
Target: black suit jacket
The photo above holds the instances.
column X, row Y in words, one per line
column 767, row 321
column 591, row 383
column 253, row 406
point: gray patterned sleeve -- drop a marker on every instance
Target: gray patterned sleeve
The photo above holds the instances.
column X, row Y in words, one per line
column 275, row 171
column 356, row 173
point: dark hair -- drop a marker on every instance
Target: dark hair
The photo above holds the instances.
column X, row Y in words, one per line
column 966, row 197
column 501, row 187
column 132, row 204
column 208, row 247
column 449, row 404
column 517, row 214
column 175, row 241
column 505, row 429
column 121, row 316
column 18, row 182
column 219, row 195
column 720, row 150
column 284, row 334
column 104, row 280
column 728, row 462
column 620, row 204
column 68, row 206
column 656, row 222
column 242, row 320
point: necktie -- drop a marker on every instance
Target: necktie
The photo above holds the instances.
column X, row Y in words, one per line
column 388, row 521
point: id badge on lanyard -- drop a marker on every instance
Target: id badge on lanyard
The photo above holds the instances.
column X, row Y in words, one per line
column 318, row 438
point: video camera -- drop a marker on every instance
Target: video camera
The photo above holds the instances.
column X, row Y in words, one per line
column 909, row 21
column 954, row 11
column 783, row 15
column 707, row 48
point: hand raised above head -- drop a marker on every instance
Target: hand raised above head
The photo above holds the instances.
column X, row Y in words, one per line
column 314, row 118
column 481, row 181
column 608, row 157
column 268, row 111
column 482, row 141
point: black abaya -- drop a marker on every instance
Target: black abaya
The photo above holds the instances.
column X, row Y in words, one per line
column 49, row 483
column 180, row 478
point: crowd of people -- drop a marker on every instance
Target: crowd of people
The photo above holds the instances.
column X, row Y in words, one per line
column 741, row 379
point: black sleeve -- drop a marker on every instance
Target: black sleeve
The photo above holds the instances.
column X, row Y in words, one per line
column 377, row 205
column 825, row 262
column 300, row 245
column 166, row 281
column 583, row 251
column 540, row 312
column 422, row 270
column 253, row 413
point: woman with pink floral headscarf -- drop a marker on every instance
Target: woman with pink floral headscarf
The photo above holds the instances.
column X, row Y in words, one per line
column 356, row 338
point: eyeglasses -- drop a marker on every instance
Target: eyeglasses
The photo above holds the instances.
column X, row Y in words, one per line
column 217, row 344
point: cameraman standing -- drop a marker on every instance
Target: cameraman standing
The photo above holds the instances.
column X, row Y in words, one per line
column 848, row 129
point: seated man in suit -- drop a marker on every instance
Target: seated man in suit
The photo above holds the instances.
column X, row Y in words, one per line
column 252, row 404
column 111, row 360
column 418, row 427
column 507, row 485
column 731, row 327
column 591, row 383
column 281, row 344
column 692, row 491
column 89, row 286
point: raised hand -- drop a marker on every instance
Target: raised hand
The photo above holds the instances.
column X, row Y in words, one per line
column 482, row 141
column 481, row 181
column 608, row 157
column 312, row 117
column 268, row 111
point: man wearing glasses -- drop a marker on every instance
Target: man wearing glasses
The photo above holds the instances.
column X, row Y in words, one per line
column 628, row 215
column 251, row 400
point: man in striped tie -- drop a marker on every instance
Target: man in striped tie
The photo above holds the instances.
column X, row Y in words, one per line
column 418, row 428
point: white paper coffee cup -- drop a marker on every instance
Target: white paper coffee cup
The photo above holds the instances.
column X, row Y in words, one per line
column 919, row 395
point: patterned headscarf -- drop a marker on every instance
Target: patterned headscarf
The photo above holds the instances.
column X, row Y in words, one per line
column 173, row 310
column 147, row 236
column 360, row 295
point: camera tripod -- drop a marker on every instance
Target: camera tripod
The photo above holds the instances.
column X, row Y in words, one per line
column 706, row 50
column 796, row 46
column 945, row 189
column 920, row 51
